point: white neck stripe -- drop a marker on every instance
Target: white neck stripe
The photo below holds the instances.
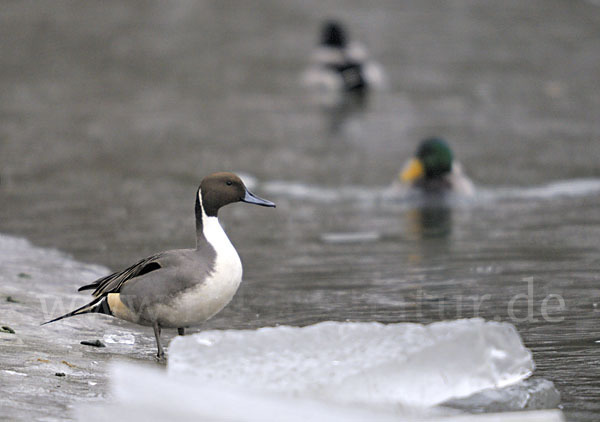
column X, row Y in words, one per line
column 212, row 230
column 204, row 216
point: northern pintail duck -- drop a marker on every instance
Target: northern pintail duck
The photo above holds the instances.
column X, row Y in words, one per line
column 183, row 287
column 339, row 64
column 434, row 170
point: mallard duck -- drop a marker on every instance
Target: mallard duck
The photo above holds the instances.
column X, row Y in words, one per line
column 434, row 170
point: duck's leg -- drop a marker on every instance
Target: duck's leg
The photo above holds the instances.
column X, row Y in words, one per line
column 181, row 331
column 161, row 353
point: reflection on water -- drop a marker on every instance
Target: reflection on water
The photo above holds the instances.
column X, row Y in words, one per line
column 429, row 228
column 342, row 109
column 429, row 222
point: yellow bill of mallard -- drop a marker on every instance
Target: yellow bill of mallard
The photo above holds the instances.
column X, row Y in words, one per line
column 412, row 171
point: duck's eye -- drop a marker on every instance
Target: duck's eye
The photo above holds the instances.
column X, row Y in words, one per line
column 229, row 183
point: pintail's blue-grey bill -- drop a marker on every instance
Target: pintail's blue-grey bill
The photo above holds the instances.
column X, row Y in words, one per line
column 253, row 199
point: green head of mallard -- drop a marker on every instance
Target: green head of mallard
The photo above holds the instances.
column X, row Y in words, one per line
column 432, row 161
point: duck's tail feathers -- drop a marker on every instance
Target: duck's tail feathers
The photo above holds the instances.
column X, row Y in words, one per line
column 99, row 305
column 88, row 287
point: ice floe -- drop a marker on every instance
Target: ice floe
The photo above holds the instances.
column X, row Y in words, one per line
column 339, row 371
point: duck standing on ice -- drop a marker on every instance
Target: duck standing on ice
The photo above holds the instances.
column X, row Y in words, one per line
column 183, row 287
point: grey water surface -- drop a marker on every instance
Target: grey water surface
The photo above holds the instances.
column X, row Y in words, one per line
column 112, row 112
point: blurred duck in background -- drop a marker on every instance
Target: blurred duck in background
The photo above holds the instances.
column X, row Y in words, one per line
column 340, row 65
column 433, row 170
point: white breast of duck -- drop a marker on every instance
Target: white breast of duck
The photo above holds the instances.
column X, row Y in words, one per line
column 197, row 304
column 208, row 298
column 322, row 74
